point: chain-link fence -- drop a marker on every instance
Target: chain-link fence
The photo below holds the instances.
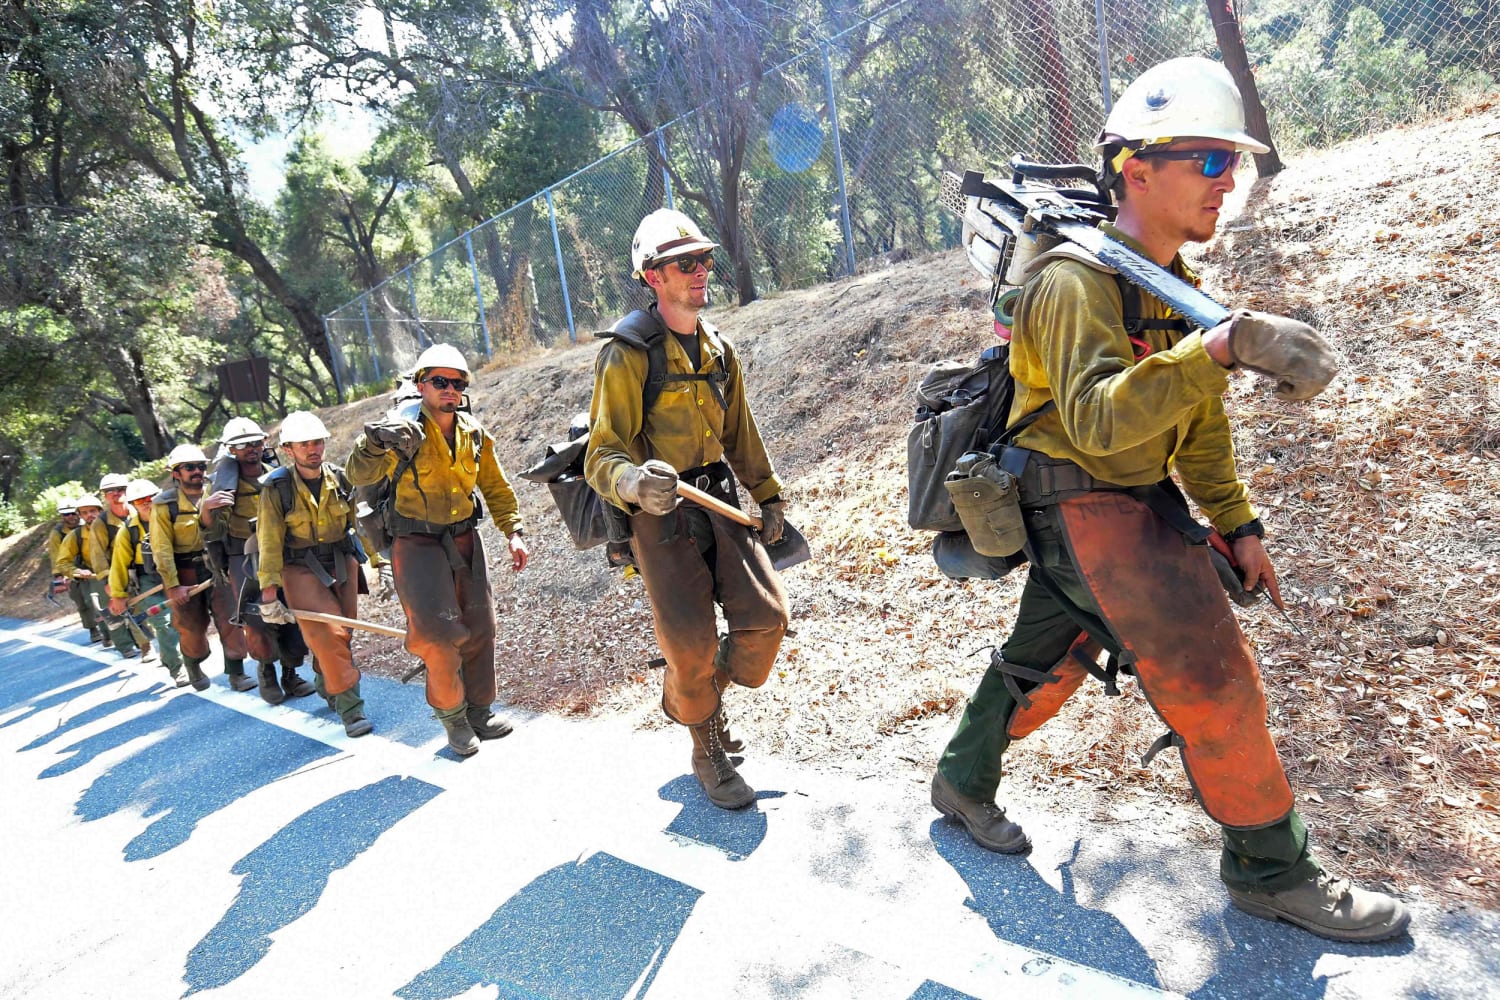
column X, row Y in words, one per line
column 847, row 143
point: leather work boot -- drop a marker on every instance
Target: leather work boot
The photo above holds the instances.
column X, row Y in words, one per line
column 148, row 655
column 985, row 821
column 195, row 674
column 486, row 724
column 270, row 691
column 715, row 771
column 292, row 685
column 1329, row 907
column 179, row 679
column 235, row 671
column 461, row 738
column 350, row 706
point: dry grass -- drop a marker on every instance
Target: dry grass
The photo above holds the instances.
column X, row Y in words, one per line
column 1380, row 498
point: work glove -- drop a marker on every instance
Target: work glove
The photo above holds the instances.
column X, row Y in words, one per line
column 276, row 613
column 1293, row 354
column 772, row 520
column 402, row 436
column 652, row 487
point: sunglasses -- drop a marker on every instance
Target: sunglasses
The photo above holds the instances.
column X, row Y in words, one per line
column 444, row 382
column 1213, row 162
column 688, row 263
column 113, row 490
column 249, row 446
column 193, row 466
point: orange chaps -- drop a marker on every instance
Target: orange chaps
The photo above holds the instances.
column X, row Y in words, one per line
column 1161, row 599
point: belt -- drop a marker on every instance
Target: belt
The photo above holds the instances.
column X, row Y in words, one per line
column 189, row 558
column 709, row 478
column 312, row 557
column 1045, row 481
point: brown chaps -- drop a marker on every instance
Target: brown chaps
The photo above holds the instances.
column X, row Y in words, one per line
column 192, row 618
column 689, row 559
column 332, row 656
column 450, row 617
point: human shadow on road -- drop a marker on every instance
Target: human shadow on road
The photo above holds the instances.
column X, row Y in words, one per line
column 201, row 757
column 735, row 832
column 1022, row 908
column 37, row 702
column 599, row 927
column 285, row 876
column 155, row 693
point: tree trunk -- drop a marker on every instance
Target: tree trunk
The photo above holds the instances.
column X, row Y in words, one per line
column 1062, row 137
column 1232, row 47
column 130, row 377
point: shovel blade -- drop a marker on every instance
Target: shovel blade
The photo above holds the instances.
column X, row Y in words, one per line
column 790, row 549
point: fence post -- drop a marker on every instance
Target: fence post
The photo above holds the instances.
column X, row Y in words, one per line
column 666, row 175
column 333, row 362
column 364, row 308
column 484, row 327
column 1103, row 55
column 562, row 271
column 411, row 289
column 838, row 162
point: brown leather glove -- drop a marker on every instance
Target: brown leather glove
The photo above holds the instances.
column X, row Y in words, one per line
column 651, row 486
column 402, row 436
column 1292, row 353
column 772, row 520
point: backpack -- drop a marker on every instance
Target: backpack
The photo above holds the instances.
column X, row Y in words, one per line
column 589, row 518
column 963, row 408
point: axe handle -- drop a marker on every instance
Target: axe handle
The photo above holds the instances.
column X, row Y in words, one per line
column 138, row 598
column 716, row 505
column 323, row 616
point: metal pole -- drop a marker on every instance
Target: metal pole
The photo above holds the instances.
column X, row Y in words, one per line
column 562, row 271
column 838, row 164
column 411, row 288
column 370, row 336
column 484, row 327
column 1103, row 55
column 333, row 364
column 666, row 175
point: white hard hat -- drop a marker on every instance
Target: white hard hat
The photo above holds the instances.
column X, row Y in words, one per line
column 87, row 501
column 185, row 453
column 303, row 426
column 113, row 481
column 241, row 430
column 1190, row 97
column 67, row 507
column 139, row 489
column 666, row 232
column 441, row 356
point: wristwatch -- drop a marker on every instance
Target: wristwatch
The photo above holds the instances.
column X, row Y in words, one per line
column 1250, row 527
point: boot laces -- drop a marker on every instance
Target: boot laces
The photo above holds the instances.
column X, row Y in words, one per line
column 1335, row 890
column 723, row 767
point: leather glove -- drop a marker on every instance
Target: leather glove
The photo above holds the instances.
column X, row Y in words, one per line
column 403, row 436
column 276, row 613
column 1293, row 354
column 772, row 520
column 652, row 487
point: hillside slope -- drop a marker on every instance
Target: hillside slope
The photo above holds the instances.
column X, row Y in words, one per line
column 1379, row 496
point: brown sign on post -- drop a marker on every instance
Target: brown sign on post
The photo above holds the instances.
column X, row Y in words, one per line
column 247, row 381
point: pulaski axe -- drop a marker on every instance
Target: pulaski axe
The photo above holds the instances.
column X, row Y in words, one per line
column 788, row 551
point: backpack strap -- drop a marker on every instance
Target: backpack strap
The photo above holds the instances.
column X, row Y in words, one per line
column 280, row 478
column 644, row 330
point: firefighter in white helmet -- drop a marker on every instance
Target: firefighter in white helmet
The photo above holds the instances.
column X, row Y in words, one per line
column 132, row 571
column 67, row 520
column 73, row 564
column 695, row 426
column 309, row 559
column 228, row 516
column 128, row 638
column 440, row 461
column 1113, row 413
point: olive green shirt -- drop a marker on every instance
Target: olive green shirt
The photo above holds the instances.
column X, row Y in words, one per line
column 97, row 544
column 170, row 538
column 127, row 555
column 1124, row 420
column 686, row 427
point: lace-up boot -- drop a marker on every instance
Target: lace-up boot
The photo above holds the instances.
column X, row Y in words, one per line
column 715, row 771
column 1329, row 907
column 985, row 821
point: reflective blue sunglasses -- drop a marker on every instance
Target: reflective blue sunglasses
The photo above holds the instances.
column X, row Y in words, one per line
column 1213, row 162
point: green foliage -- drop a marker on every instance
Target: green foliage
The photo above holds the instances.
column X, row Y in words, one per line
column 44, row 507
column 11, row 519
column 154, row 470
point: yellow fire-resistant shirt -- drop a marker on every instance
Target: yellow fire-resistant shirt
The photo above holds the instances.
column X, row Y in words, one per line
column 447, row 475
column 686, row 427
column 128, row 555
column 169, row 537
column 97, row 544
column 54, row 548
column 243, row 512
column 319, row 521
column 1123, row 420
column 71, row 555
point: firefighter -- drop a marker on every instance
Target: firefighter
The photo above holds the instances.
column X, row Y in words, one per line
column 234, row 489
column 62, row 579
column 698, row 429
column 308, row 559
column 1114, row 562
column 132, row 572
column 99, row 541
column 440, row 463
column 73, row 564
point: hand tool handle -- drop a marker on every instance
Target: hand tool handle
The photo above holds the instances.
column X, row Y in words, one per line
column 716, row 505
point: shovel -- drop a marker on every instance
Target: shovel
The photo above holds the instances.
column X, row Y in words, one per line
column 788, row 551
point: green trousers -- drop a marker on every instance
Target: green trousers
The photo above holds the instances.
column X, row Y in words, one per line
column 1266, row 860
column 120, row 632
column 159, row 618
